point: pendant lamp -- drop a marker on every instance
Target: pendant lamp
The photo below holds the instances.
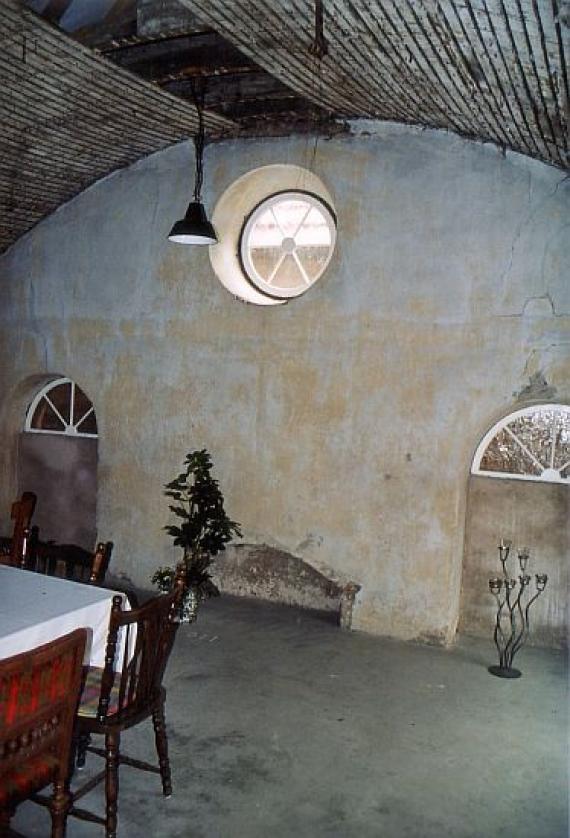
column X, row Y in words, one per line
column 195, row 228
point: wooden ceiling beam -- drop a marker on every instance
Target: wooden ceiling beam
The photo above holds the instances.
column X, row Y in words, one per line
column 182, row 57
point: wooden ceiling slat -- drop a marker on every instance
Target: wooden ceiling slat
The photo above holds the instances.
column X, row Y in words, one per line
column 42, row 114
column 456, row 118
column 482, row 121
column 523, row 76
column 411, row 108
column 485, row 56
column 483, row 117
column 59, row 142
column 544, row 49
column 538, row 86
column 358, row 84
column 561, row 51
column 512, row 86
column 487, row 97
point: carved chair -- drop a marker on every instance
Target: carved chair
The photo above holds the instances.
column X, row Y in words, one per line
column 127, row 691
column 68, row 560
column 14, row 549
column 39, row 693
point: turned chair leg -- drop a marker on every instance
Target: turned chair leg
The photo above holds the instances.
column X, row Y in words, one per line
column 59, row 806
column 112, row 744
column 81, row 746
column 162, row 749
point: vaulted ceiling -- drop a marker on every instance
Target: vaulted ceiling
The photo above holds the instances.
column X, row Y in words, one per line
column 88, row 88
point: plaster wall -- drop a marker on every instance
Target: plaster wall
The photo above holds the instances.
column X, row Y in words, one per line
column 532, row 515
column 342, row 425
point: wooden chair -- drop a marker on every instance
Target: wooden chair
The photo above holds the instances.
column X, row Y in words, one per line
column 127, row 691
column 68, row 560
column 13, row 550
column 39, row 693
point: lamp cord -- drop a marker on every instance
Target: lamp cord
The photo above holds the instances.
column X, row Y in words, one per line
column 198, row 94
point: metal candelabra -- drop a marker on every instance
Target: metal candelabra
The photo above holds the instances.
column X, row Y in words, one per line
column 512, row 621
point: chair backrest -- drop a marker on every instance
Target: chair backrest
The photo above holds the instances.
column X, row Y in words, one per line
column 100, row 563
column 138, row 647
column 39, row 692
column 69, row 561
column 21, row 515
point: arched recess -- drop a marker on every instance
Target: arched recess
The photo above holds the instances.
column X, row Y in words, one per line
column 57, row 459
column 519, row 489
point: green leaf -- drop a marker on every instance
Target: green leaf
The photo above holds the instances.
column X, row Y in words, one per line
column 175, row 532
column 179, row 510
column 204, row 528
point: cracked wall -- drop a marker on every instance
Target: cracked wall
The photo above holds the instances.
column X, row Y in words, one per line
column 342, row 425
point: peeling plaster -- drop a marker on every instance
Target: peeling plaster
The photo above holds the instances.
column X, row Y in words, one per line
column 537, row 389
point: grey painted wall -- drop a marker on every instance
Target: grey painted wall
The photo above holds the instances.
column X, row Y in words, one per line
column 342, row 425
column 532, row 515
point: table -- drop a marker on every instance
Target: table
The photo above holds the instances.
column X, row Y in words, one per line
column 35, row 609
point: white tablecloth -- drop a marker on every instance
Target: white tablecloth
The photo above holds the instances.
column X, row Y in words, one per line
column 35, row 609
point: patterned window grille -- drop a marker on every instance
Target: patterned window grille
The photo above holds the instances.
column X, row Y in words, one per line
column 62, row 407
column 530, row 444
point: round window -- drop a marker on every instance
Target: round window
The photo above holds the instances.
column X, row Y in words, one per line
column 287, row 243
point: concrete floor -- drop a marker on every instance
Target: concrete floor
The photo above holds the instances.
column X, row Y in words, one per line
column 282, row 725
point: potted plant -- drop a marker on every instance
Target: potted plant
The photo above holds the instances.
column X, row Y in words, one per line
column 203, row 530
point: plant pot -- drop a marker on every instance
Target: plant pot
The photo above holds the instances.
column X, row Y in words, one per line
column 189, row 607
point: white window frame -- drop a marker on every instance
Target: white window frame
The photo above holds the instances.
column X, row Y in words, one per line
column 67, row 428
column 549, row 474
column 249, row 270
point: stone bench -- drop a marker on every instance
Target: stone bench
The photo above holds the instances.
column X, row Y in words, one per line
column 258, row 570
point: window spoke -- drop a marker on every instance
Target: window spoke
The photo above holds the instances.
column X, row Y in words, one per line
column 302, row 221
column 281, row 230
column 306, row 279
column 552, row 445
column 529, row 454
column 84, row 417
column 280, row 261
column 56, row 411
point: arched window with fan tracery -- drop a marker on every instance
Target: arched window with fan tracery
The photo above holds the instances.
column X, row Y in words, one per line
column 61, row 407
column 530, row 444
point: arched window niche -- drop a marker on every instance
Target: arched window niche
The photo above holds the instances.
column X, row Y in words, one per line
column 57, row 460
column 61, row 407
column 518, row 490
column 532, row 443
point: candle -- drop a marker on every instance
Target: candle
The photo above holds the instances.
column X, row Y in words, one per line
column 523, row 558
column 495, row 585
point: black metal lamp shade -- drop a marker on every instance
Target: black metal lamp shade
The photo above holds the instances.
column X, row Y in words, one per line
column 194, row 228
